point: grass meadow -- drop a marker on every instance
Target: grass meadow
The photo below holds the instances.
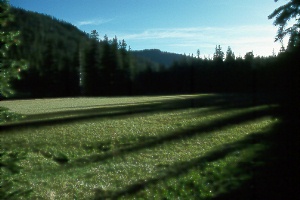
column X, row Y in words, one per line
column 150, row 147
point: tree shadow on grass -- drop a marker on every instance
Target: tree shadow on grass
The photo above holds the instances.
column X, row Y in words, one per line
column 278, row 177
column 146, row 142
column 228, row 102
column 181, row 168
column 221, row 101
column 174, row 136
column 273, row 172
column 224, row 102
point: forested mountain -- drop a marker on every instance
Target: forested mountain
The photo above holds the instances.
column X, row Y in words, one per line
column 51, row 49
column 162, row 58
column 64, row 61
column 39, row 31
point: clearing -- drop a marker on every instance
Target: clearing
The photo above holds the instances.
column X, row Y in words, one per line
column 190, row 146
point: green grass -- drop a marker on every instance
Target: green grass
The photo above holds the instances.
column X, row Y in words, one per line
column 38, row 106
column 145, row 147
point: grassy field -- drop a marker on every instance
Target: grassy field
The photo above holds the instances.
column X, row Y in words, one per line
column 187, row 146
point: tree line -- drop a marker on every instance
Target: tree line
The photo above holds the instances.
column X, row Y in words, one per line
column 63, row 61
column 224, row 73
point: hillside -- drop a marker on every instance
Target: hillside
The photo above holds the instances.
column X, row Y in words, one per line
column 64, row 61
column 59, row 55
column 157, row 56
column 39, row 31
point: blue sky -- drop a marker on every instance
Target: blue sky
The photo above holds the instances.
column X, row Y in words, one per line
column 180, row 26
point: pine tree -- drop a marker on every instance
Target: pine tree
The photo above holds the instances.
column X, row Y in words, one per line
column 9, row 68
column 82, row 68
column 249, row 56
column 198, row 53
column 91, row 67
column 229, row 54
column 219, row 54
column 282, row 15
column 94, row 35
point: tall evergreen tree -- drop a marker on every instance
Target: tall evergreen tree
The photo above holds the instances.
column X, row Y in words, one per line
column 82, row 68
column 198, row 53
column 219, row 54
column 229, row 54
column 50, row 74
column 9, row 68
column 92, row 66
column 290, row 71
column 249, row 56
column 282, row 15
column 94, row 35
column 123, row 45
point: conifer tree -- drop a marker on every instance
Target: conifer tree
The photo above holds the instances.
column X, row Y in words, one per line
column 198, row 53
column 92, row 65
column 249, row 56
column 9, row 68
column 229, row 54
column 94, row 35
column 282, row 15
column 219, row 54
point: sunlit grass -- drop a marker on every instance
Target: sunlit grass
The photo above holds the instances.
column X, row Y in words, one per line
column 126, row 155
column 38, row 106
column 204, row 180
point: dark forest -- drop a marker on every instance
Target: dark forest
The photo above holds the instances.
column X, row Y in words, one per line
column 64, row 61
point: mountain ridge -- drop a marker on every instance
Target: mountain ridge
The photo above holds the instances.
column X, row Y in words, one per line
column 160, row 57
column 28, row 21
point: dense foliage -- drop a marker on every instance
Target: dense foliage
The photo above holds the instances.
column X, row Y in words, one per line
column 9, row 68
column 167, row 146
column 283, row 15
column 67, row 62
column 12, row 186
column 248, row 74
column 290, row 66
column 64, row 61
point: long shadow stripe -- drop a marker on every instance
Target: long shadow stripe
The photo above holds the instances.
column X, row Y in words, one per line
column 172, row 137
column 164, row 105
column 182, row 167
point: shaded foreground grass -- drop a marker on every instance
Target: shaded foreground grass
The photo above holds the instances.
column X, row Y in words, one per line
column 186, row 146
column 278, row 175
